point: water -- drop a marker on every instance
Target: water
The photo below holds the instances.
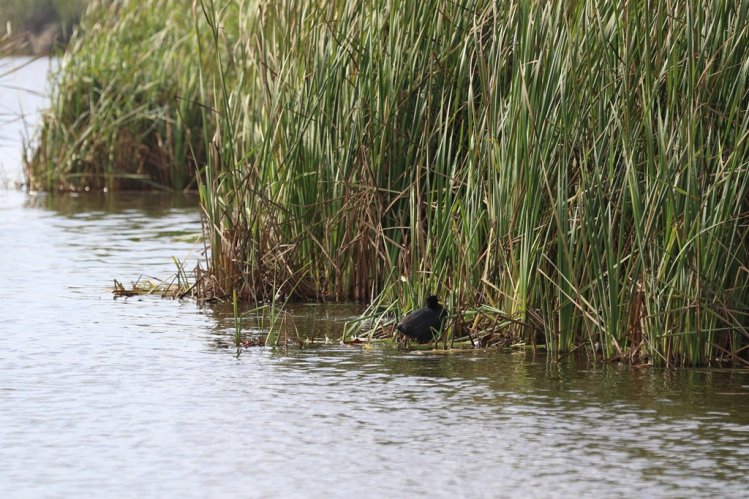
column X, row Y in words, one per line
column 145, row 398
column 23, row 85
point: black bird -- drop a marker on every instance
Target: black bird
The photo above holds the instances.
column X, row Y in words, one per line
column 424, row 324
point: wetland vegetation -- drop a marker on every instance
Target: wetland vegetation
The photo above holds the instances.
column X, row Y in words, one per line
column 565, row 173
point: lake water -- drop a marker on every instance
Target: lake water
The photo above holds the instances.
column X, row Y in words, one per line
column 146, row 397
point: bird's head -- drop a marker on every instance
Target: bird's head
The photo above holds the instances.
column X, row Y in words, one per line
column 433, row 302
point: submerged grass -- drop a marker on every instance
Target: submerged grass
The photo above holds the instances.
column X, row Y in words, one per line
column 578, row 168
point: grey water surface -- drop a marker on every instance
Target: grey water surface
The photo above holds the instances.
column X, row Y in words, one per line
column 146, row 397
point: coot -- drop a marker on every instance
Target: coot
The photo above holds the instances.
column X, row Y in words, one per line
column 424, row 324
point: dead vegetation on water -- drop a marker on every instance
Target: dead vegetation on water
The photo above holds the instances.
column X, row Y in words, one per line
column 150, row 286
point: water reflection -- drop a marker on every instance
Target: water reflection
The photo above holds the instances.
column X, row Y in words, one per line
column 22, row 97
column 531, row 426
column 99, row 204
column 306, row 324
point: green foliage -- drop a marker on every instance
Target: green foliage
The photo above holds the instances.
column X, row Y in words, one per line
column 124, row 112
column 579, row 168
column 575, row 166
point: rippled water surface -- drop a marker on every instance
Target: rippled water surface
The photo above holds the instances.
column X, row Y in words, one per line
column 143, row 398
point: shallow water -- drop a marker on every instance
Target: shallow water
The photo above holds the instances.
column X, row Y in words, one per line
column 23, row 86
column 144, row 398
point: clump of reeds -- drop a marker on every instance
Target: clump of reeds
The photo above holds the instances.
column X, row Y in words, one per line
column 122, row 113
column 578, row 168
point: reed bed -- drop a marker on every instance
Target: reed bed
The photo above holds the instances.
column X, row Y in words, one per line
column 567, row 173
column 578, row 168
column 123, row 112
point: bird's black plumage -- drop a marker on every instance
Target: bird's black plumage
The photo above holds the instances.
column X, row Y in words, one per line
column 424, row 324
